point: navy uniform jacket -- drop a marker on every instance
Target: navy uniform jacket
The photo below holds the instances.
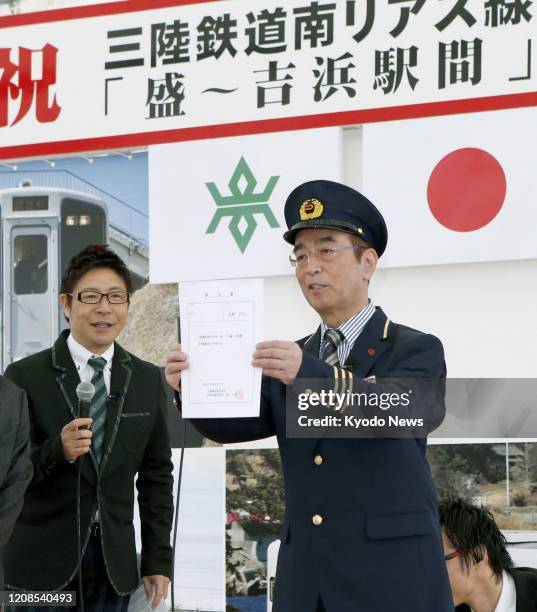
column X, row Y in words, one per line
column 378, row 548
column 526, row 590
column 42, row 553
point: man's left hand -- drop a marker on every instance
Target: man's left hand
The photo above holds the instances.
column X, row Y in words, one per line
column 161, row 588
column 279, row 359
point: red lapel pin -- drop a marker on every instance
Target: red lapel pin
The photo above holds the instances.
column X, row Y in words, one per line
column 371, row 351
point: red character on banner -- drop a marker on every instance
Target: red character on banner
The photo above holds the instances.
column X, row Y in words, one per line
column 28, row 85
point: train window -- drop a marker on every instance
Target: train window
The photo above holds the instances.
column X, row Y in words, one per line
column 30, row 203
column 31, row 264
column 82, row 223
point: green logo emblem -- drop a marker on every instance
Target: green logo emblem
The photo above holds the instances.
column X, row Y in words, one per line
column 242, row 205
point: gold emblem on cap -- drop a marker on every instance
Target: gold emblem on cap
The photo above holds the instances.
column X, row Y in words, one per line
column 311, row 209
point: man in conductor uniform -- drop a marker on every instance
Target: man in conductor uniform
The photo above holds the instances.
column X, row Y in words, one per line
column 361, row 531
column 128, row 438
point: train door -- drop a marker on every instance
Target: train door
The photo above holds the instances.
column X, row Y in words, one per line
column 33, row 291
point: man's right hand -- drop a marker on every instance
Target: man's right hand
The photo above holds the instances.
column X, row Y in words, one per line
column 76, row 441
column 176, row 361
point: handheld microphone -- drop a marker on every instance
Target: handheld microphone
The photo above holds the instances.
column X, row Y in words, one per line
column 85, row 392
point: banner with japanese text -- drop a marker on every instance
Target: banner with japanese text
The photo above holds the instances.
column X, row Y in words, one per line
column 216, row 207
column 133, row 74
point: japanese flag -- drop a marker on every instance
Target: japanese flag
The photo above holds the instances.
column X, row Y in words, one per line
column 457, row 188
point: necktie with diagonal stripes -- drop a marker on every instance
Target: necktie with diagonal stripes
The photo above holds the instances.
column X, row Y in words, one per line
column 332, row 339
column 98, row 406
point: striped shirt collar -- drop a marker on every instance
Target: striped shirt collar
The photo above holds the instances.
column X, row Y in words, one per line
column 350, row 329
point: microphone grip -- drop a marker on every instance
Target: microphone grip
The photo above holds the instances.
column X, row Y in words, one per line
column 84, row 411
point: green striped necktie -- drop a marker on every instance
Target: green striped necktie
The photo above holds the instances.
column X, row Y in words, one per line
column 98, row 406
column 332, row 339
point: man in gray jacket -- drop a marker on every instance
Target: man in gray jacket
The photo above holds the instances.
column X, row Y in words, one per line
column 15, row 463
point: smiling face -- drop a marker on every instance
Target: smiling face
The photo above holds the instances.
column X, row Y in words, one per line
column 335, row 289
column 96, row 326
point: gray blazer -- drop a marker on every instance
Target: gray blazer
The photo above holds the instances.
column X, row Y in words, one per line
column 15, row 463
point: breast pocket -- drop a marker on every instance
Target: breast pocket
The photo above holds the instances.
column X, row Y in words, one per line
column 401, row 525
column 397, row 542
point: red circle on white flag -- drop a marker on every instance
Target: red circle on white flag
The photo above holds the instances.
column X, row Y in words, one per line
column 466, row 189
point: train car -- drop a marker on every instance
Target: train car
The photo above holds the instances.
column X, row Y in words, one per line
column 42, row 228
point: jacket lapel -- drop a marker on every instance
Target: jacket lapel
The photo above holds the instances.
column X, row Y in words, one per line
column 66, row 373
column 119, row 385
column 370, row 345
column 68, row 380
column 312, row 344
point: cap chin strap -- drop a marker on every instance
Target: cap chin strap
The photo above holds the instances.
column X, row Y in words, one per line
column 344, row 226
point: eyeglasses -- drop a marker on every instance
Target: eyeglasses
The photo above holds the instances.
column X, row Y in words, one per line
column 95, row 297
column 323, row 253
column 456, row 553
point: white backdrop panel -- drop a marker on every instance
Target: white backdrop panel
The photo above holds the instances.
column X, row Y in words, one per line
column 182, row 208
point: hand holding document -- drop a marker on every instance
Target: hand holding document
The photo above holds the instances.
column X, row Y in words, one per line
column 221, row 322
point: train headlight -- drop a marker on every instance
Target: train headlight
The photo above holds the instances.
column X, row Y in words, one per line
column 71, row 220
column 84, row 220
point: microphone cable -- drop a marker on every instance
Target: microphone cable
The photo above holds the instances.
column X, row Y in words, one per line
column 84, row 392
column 176, row 517
column 78, row 530
column 179, row 477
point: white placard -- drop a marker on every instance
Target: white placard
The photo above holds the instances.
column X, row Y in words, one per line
column 221, row 322
column 217, row 207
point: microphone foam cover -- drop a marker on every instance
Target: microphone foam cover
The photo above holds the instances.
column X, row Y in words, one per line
column 85, row 391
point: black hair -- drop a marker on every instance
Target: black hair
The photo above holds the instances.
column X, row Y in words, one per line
column 91, row 257
column 472, row 530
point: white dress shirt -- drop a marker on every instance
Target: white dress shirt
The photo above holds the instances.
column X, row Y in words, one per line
column 507, row 601
column 80, row 355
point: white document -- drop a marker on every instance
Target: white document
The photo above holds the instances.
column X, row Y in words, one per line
column 221, row 322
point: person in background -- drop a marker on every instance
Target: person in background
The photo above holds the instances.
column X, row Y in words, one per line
column 480, row 569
